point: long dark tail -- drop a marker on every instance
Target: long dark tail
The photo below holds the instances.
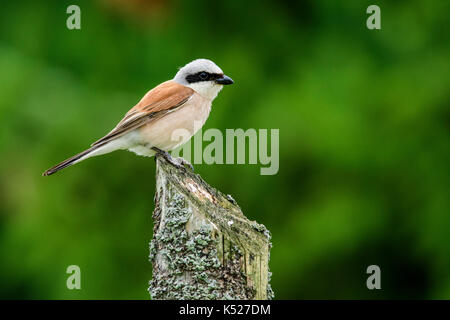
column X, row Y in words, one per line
column 70, row 161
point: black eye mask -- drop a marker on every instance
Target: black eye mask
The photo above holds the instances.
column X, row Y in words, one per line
column 202, row 76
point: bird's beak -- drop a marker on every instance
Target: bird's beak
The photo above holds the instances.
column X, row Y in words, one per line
column 224, row 80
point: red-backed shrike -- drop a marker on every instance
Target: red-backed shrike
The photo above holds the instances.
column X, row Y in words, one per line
column 175, row 104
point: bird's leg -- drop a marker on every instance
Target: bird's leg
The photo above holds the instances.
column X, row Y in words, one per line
column 165, row 155
column 182, row 164
column 186, row 163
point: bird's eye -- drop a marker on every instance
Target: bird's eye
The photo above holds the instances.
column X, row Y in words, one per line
column 203, row 75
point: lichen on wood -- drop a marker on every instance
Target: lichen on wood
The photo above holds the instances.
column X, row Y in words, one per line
column 203, row 246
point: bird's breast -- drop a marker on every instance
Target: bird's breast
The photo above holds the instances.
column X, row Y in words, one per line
column 177, row 127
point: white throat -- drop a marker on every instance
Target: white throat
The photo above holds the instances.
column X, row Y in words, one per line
column 206, row 89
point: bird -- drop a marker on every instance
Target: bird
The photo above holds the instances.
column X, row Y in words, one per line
column 146, row 129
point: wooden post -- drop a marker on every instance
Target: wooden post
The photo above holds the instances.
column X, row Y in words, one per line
column 203, row 246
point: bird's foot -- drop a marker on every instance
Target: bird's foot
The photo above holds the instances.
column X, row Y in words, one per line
column 177, row 162
column 185, row 163
column 166, row 155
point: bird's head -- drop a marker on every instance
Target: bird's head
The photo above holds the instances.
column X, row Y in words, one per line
column 203, row 76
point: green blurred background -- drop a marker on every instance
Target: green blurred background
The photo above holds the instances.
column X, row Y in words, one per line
column 364, row 125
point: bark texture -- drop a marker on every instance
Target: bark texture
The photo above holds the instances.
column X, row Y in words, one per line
column 203, row 246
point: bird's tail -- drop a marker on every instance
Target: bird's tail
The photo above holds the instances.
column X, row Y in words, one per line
column 71, row 161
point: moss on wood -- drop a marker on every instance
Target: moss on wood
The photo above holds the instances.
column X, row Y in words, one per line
column 203, row 247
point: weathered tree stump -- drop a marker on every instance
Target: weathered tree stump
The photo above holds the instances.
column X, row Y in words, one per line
column 203, row 246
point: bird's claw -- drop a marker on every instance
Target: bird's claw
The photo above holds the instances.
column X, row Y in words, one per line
column 186, row 163
column 177, row 162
